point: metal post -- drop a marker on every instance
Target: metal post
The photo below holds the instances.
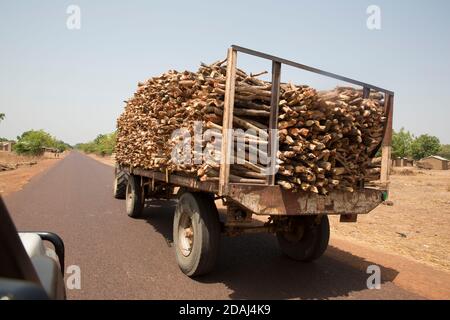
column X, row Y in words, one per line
column 227, row 126
column 366, row 93
column 387, row 141
column 273, row 122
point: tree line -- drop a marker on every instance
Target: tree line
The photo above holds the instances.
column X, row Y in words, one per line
column 33, row 142
column 406, row 145
column 103, row 144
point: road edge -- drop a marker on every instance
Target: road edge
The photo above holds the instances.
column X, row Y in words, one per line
column 29, row 176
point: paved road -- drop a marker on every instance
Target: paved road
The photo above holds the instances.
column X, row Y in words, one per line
column 123, row 258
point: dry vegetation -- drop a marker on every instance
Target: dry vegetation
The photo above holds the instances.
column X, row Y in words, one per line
column 11, row 161
column 107, row 159
column 14, row 180
column 20, row 169
column 417, row 226
column 405, row 172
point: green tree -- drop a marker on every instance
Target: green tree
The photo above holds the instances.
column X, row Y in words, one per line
column 401, row 143
column 103, row 144
column 445, row 151
column 424, row 146
column 31, row 142
column 61, row 145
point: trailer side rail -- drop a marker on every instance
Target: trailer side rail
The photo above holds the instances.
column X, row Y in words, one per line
column 224, row 174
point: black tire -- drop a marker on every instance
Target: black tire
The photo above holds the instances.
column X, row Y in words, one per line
column 120, row 184
column 196, row 215
column 134, row 197
column 307, row 240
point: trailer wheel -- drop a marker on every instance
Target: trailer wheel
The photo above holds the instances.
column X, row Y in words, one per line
column 196, row 233
column 120, row 184
column 134, row 197
column 306, row 239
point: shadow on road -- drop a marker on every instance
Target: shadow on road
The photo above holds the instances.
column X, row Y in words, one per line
column 252, row 266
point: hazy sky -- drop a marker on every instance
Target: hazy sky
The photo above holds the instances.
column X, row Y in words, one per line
column 72, row 83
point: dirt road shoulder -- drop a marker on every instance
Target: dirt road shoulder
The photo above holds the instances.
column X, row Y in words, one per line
column 108, row 160
column 406, row 273
column 14, row 180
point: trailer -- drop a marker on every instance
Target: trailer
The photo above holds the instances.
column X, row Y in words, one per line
column 299, row 219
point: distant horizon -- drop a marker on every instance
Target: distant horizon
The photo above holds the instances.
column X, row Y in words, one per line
column 72, row 82
column 90, row 140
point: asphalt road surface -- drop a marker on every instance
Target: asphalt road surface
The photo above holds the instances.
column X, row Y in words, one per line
column 125, row 258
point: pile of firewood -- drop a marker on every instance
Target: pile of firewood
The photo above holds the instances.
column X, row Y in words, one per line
column 326, row 139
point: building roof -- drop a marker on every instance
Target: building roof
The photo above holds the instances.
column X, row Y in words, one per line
column 436, row 157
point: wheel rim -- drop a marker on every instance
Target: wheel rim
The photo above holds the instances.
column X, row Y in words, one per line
column 185, row 235
column 129, row 198
column 115, row 185
column 295, row 234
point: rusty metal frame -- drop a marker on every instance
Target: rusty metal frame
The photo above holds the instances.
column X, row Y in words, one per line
column 277, row 62
column 386, row 145
column 273, row 120
column 275, row 201
column 227, row 138
column 178, row 180
column 271, row 199
column 310, row 69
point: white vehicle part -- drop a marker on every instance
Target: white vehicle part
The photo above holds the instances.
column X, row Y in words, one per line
column 45, row 261
column 33, row 244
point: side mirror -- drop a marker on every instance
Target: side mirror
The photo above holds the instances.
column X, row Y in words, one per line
column 13, row 289
column 27, row 267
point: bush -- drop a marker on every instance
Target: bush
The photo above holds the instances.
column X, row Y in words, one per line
column 103, row 144
column 445, row 151
column 401, row 143
column 424, row 146
column 404, row 144
column 32, row 143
